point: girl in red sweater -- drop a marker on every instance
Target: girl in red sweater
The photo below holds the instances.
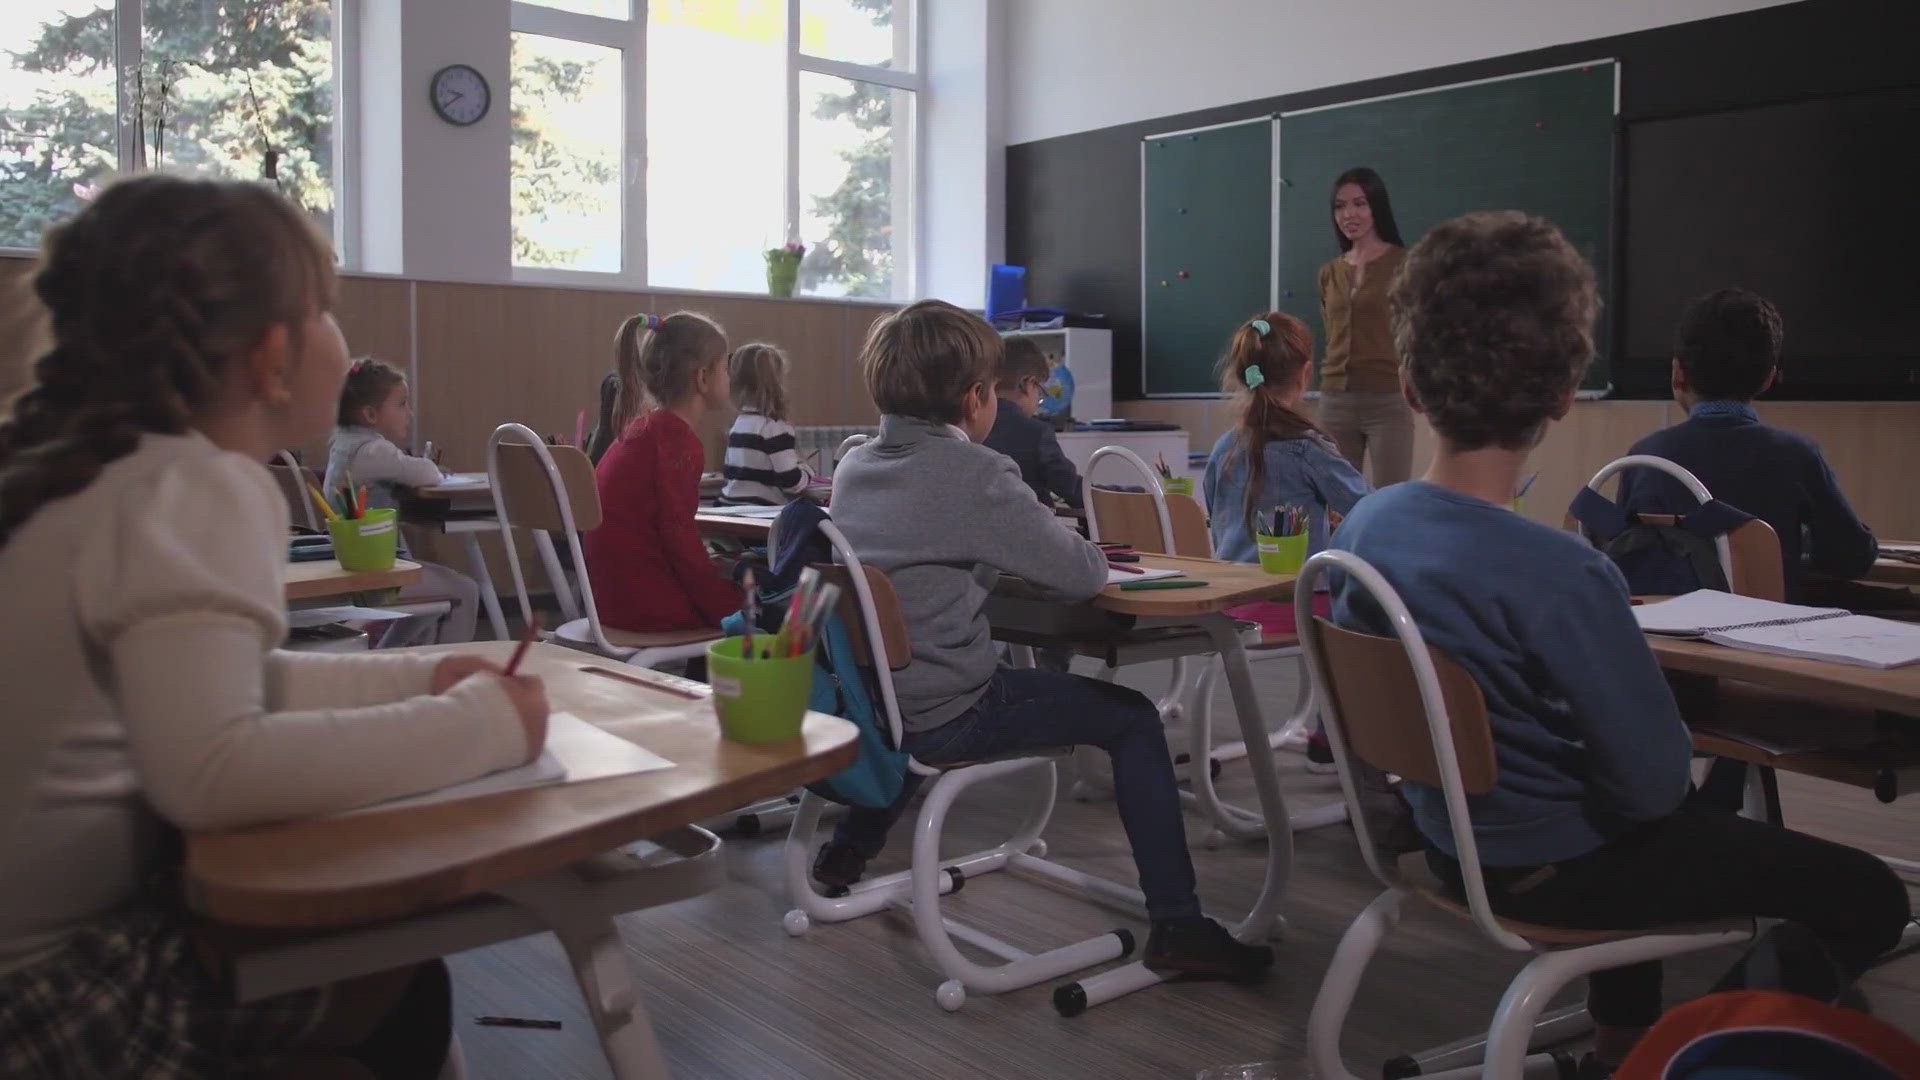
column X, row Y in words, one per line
column 649, row 569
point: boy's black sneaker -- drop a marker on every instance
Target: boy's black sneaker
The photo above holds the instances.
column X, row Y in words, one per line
column 1319, row 754
column 1199, row 948
column 838, row 868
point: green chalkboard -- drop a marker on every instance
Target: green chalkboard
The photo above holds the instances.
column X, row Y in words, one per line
column 1542, row 143
column 1206, row 248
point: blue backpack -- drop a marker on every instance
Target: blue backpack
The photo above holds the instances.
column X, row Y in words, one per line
column 1659, row 559
column 840, row 685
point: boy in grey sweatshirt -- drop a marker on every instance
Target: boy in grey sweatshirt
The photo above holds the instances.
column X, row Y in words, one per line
column 943, row 516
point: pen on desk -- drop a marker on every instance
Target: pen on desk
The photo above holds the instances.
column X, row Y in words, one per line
column 1161, row 583
column 526, row 642
column 1123, row 568
column 1522, row 493
column 517, row 1022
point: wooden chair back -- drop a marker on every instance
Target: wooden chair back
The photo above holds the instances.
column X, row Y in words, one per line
column 1753, row 555
column 528, row 493
column 1130, row 517
column 895, row 648
column 1373, row 696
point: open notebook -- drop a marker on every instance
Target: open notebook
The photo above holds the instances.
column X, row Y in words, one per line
column 768, row 512
column 1743, row 622
column 575, row 751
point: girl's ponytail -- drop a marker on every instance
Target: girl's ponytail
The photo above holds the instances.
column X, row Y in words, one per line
column 1267, row 356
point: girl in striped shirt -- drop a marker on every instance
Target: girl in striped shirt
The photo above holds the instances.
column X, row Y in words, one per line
column 762, row 466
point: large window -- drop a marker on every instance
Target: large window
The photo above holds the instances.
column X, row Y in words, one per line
column 229, row 88
column 750, row 124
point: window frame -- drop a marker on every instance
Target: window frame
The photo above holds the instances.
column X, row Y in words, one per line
column 628, row 35
column 130, row 150
column 907, row 170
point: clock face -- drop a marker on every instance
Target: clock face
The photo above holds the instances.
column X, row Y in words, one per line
column 460, row 94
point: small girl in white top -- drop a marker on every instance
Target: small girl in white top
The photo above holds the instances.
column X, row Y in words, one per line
column 763, row 466
column 143, row 554
column 376, row 415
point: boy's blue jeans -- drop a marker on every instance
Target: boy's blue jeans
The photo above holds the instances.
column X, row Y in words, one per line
column 1025, row 709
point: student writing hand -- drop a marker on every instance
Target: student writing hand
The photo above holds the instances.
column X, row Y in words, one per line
column 529, row 696
column 448, row 673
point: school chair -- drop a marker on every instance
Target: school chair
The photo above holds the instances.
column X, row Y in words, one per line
column 549, row 489
column 1153, row 521
column 880, row 641
column 1401, row 707
column 296, row 481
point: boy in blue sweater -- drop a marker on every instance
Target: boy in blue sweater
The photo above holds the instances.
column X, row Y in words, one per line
column 1590, row 824
column 1728, row 353
column 943, row 517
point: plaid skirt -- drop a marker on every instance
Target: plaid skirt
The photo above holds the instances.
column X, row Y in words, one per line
column 126, row 997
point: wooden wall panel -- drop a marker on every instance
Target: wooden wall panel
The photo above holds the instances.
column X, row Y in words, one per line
column 1870, row 445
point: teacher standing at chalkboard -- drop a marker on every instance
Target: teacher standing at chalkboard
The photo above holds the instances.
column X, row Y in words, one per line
column 1361, row 406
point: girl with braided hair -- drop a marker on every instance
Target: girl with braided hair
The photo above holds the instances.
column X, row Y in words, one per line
column 142, row 548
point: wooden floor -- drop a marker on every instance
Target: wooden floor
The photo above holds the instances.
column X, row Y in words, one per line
column 733, row 996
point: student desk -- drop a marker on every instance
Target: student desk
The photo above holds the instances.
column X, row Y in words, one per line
column 1895, row 690
column 442, row 870
column 319, row 579
column 1895, row 571
column 463, row 509
column 750, row 530
column 1136, row 627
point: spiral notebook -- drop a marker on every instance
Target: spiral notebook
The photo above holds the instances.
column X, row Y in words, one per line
column 1742, row 622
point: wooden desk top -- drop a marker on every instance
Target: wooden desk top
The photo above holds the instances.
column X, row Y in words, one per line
column 481, row 490
column 1894, row 571
column 1229, row 584
column 343, row 870
column 754, row 530
column 1895, row 690
column 319, row 579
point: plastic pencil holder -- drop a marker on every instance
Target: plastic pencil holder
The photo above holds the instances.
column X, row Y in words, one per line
column 758, row 700
column 1177, row 485
column 1281, row 554
column 369, row 543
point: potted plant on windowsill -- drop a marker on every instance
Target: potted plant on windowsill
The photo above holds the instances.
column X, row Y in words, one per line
column 783, row 268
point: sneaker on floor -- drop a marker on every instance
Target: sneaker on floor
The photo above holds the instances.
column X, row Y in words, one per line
column 838, row 868
column 1319, row 754
column 1199, row 948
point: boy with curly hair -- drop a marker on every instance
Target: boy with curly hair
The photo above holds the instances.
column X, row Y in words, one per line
column 1589, row 824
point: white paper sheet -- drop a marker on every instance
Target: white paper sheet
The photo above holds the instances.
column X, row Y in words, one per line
column 1117, row 576
column 744, row 511
column 575, row 751
column 1709, row 609
column 303, row 618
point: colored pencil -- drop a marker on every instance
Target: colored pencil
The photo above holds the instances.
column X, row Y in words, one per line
column 321, row 501
column 526, row 642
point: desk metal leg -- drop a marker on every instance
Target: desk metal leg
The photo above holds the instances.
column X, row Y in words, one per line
column 1265, row 915
column 489, row 596
column 601, row 966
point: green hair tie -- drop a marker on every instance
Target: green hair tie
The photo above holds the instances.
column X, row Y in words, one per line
column 1254, row 377
column 1261, row 325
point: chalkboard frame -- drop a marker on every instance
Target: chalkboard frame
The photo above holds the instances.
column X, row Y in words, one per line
column 1615, row 182
column 1270, row 120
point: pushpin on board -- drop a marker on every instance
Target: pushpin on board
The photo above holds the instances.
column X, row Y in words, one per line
column 1183, row 209
column 1183, row 275
column 1539, row 124
column 1193, row 138
column 1288, row 294
column 1163, row 283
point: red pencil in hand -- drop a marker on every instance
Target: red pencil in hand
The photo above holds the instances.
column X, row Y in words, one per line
column 526, row 642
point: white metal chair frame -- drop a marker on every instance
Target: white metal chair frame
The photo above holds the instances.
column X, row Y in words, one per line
column 1513, row 1030
column 919, row 889
column 567, row 634
column 1228, row 820
column 1721, row 546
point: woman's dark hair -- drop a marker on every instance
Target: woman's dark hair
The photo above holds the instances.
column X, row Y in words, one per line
column 1375, row 190
column 1493, row 320
column 369, row 381
column 1282, row 352
column 155, row 290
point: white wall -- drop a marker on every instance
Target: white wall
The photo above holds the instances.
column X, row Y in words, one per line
column 963, row 185
column 1077, row 65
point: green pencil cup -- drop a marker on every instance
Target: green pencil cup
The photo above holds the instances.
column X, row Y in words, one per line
column 1281, row 554
column 1177, row 485
column 369, row 543
column 758, row 700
